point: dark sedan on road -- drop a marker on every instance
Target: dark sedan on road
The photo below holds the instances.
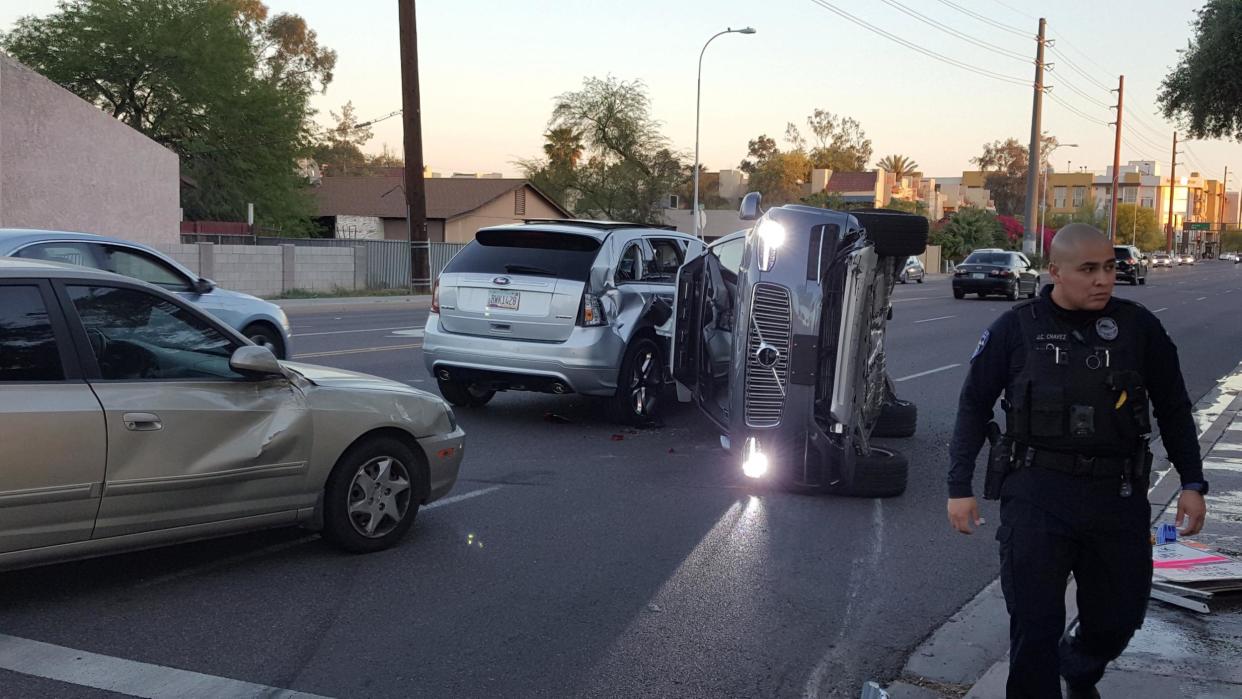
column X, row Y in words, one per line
column 997, row 272
column 1131, row 264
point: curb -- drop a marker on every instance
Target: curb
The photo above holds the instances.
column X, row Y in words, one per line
column 969, row 652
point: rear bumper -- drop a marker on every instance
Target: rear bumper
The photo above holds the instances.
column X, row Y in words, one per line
column 588, row 362
column 987, row 285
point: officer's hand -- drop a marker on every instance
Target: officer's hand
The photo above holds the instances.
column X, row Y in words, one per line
column 1190, row 504
column 964, row 512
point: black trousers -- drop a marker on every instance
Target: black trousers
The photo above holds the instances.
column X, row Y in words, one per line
column 1054, row 524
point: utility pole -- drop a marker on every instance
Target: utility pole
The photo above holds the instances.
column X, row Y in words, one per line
column 415, row 187
column 1168, row 226
column 1112, row 208
column 1034, row 154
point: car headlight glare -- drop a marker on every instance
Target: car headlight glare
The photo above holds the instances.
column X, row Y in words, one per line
column 771, row 238
column 755, row 462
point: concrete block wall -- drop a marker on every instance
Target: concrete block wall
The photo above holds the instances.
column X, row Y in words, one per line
column 270, row 270
column 324, row 269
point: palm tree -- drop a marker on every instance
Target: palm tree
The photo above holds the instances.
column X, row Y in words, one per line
column 899, row 165
column 564, row 147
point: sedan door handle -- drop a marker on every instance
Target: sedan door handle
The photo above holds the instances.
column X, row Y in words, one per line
column 142, row 422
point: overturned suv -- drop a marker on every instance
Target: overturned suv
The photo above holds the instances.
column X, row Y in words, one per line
column 779, row 337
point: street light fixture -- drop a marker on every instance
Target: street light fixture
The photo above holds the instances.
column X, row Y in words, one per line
column 698, row 93
column 1043, row 204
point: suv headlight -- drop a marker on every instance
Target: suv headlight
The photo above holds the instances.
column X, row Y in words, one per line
column 771, row 238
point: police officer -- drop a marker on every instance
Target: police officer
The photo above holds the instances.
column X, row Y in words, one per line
column 1079, row 369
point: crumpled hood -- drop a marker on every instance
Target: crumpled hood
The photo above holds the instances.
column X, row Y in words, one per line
column 340, row 378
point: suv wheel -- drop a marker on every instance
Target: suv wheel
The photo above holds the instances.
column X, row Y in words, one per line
column 895, row 234
column 640, row 383
column 898, row 419
column 881, row 474
column 464, row 395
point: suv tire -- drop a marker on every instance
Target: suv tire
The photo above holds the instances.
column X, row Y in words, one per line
column 464, row 395
column 897, row 420
column 881, row 474
column 895, row 234
column 640, row 383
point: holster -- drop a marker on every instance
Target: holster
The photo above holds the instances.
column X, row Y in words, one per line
column 1000, row 462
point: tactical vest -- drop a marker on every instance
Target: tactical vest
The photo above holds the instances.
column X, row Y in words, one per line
column 1080, row 390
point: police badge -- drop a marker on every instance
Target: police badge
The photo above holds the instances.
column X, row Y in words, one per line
column 1106, row 328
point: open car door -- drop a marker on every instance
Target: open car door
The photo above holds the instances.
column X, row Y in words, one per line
column 704, row 318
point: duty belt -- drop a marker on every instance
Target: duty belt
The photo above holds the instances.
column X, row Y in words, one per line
column 1073, row 464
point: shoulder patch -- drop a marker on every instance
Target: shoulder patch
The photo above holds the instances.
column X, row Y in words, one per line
column 983, row 342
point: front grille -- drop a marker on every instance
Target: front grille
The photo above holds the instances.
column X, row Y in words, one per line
column 765, row 386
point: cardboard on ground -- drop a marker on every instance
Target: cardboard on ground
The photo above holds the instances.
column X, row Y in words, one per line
column 1180, row 563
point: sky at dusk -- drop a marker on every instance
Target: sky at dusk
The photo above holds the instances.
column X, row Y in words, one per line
column 491, row 70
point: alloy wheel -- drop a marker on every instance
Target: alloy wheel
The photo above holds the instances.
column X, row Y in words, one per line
column 644, row 383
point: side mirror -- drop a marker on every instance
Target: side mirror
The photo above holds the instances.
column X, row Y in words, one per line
column 255, row 361
column 750, row 209
column 204, row 286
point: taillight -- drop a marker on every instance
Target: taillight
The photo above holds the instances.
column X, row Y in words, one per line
column 1001, row 273
column 591, row 313
column 435, row 297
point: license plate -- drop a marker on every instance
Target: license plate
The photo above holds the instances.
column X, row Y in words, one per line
column 504, row 300
column 978, row 275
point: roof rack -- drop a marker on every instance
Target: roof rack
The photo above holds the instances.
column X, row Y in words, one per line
column 598, row 225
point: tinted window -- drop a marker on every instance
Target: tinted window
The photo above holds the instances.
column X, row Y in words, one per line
column 141, row 265
column 989, row 258
column 562, row 255
column 730, row 254
column 80, row 254
column 27, row 346
column 138, row 335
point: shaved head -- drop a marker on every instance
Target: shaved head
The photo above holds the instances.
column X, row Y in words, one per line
column 1082, row 265
column 1073, row 241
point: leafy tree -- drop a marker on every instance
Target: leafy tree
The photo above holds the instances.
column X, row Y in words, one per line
column 629, row 168
column 780, row 177
column 758, row 151
column 1005, row 166
column 1230, row 241
column 968, row 229
column 1203, row 93
column 840, row 143
column 899, row 165
column 910, row 207
column 1138, row 226
column 340, row 147
column 1086, row 212
column 218, row 82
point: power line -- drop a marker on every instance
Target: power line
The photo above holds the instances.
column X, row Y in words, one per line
column 1154, row 130
column 1138, row 135
column 1074, row 88
column 1074, row 67
column 927, row 52
column 966, row 37
column 1013, row 9
column 988, row 20
column 1075, row 110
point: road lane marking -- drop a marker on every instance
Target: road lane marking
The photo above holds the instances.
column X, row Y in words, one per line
column 360, row 350
column 929, row 371
column 1161, row 309
column 360, row 330
column 463, row 496
column 928, row 320
column 916, row 298
column 86, row 669
column 1201, row 298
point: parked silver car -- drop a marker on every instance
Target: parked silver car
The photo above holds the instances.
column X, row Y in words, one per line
column 131, row 419
column 913, row 271
column 263, row 322
column 779, row 338
column 557, row 307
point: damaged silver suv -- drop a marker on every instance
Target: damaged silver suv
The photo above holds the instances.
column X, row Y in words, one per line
column 779, row 338
column 558, row 307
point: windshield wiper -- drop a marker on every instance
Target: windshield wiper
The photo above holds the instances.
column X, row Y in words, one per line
column 527, row 269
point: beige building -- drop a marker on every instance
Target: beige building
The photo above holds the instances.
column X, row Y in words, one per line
column 373, row 208
column 66, row 165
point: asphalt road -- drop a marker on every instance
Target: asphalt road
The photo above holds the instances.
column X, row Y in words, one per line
column 582, row 564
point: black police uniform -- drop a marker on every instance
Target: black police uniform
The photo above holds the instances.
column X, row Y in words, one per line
column 1076, row 497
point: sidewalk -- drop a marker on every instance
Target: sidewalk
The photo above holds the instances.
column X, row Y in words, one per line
column 1177, row 653
column 345, row 303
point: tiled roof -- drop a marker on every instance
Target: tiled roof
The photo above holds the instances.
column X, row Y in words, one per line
column 852, row 182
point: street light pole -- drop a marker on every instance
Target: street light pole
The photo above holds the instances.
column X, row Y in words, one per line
column 698, row 94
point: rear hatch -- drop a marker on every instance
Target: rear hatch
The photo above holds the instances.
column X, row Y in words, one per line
column 519, row 284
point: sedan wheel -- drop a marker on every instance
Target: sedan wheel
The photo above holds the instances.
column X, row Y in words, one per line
column 369, row 500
